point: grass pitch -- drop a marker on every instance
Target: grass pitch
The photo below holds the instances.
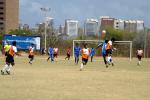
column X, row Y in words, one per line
column 62, row 80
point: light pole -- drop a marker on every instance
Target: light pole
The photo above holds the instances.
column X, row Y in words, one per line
column 45, row 10
column 145, row 42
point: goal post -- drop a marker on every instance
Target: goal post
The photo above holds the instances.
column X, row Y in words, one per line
column 100, row 41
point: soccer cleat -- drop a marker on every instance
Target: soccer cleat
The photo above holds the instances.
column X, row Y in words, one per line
column 112, row 64
column 81, row 67
column 2, row 73
column 8, row 72
column 106, row 65
column 30, row 62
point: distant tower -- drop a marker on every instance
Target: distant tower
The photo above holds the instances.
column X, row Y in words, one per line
column 9, row 15
column 91, row 27
column 71, row 28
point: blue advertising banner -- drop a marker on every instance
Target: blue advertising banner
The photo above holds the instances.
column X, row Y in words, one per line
column 23, row 42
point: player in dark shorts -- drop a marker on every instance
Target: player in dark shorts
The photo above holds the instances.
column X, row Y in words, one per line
column 68, row 53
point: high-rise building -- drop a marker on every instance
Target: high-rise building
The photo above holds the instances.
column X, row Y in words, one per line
column 61, row 29
column 71, row 27
column 9, row 15
column 106, row 21
column 119, row 24
column 91, row 27
column 130, row 25
column 140, row 25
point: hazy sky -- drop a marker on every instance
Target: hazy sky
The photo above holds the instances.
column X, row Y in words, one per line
column 31, row 14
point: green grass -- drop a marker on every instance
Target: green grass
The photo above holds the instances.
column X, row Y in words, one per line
column 62, row 80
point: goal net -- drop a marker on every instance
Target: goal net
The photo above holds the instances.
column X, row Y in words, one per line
column 123, row 48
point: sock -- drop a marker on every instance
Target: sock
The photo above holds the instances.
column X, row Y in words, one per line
column 9, row 67
column 81, row 66
column 5, row 67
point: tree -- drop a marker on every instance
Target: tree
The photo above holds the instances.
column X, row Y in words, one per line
column 21, row 32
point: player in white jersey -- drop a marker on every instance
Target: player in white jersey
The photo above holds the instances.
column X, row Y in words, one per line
column 55, row 54
column 85, row 53
column 139, row 56
column 109, row 49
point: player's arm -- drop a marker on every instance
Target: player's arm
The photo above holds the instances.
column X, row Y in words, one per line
column 99, row 45
column 16, row 51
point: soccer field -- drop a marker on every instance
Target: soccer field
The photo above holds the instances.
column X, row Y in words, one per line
column 62, row 80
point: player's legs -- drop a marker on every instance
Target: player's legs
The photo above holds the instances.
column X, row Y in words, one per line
column 48, row 58
column 139, row 60
column 105, row 61
column 75, row 59
column 109, row 58
column 68, row 56
column 91, row 58
column 51, row 56
column 84, row 62
column 31, row 57
column 8, row 65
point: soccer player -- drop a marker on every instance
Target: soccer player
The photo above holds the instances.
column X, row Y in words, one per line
column 139, row 56
column 68, row 53
column 31, row 53
column 50, row 52
column 10, row 59
column 55, row 52
column 85, row 52
column 109, row 51
column 6, row 48
column 104, row 52
column 76, row 53
column 92, row 53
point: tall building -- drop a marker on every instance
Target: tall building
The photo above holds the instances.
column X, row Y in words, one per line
column 140, row 25
column 130, row 26
column 91, row 27
column 106, row 21
column 119, row 24
column 61, row 29
column 9, row 15
column 71, row 27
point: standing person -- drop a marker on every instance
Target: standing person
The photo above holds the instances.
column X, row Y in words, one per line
column 85, row 52
column 31, row 53
column 76, row 53
column 10, row 59
column 139, row 56
column 109, row 51
column 92, row 53
column 55, row 54
column 68, row 53
column 50, row 52
column 104, row 52
column 6, row 48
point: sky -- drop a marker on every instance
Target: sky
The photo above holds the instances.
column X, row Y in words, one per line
column 80, row 10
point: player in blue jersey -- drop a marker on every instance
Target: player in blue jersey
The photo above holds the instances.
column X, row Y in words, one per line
column 92, row 53
column 104, row 54
column 50, row 52
column 76, row 53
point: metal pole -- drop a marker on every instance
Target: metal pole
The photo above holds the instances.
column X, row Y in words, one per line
column 45, row 10
column 145, row 42
column 130, row 51
column 73, row 48
column 45, row 33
